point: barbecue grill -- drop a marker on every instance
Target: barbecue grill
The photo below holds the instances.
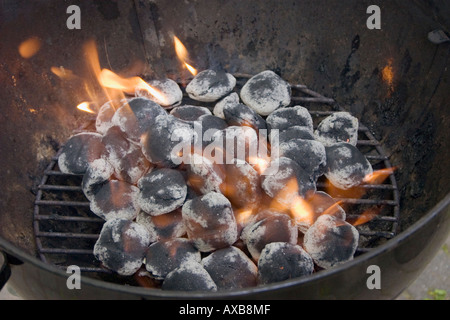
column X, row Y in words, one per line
column 394, row 80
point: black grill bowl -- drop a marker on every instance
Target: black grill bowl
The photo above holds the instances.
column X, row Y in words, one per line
column 394, row 80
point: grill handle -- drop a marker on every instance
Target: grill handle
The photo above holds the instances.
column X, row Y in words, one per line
column 5, row 270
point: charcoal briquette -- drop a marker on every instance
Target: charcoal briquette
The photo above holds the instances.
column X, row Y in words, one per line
column 346, row 166
column 116, row 144
column 277, row 227
column 266, row 92
column 189, row 113
column 115, row 199
column 210, row 125
column 136, row 116
column 336, row 128
column 242, row 115
column 98, row 173
column 295, row 132
column 79, row 151
column 281, row 261
column 331, row 241
column 163, row 257
column 105, row 115
column 167, row 88
column 237, row 142
column 165, row 226
column 121, row 246
column 210, row 85
column 284, row 118
column 310, row 155
column 230, row 268
column 210, row 221
column 204, row 175
column 229, row 100
column 161, row 191
column 189, row 277
column 132, row 166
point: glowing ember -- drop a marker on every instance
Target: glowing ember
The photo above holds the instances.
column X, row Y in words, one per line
column 29, row 47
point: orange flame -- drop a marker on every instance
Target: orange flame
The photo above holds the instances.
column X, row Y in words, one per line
column 302, row 210
column 29, row 47
column 182, row 54
column 62, row 73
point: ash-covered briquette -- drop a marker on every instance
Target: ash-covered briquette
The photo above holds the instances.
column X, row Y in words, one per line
column 122, row 245
column 164, row 141
column 229, row 100
column 230, row 268
column 210, row 85
column 285, row 118
column 277, row 227
column 115, row 199
column 281, row 261
column 132, row 166
column 104, row 117
column 319, row 203
column 210, row 222
column 79, row 151
column 161, row 191
column 167, row 88
column 189, row 277
column 116, row 144
column 210, row 125
column 346, row 166
column 189, row 113
column 295, row 132
column 310, row 155
column 136, row 116
column 165, row 226
column 266, row 92
column 336, row 128
column 285, row 180
column 98, row 173
column 331, row 241
column 236, row 142
column 242, row 184
column 242, row 115
column 162, row 257
column 204, row 175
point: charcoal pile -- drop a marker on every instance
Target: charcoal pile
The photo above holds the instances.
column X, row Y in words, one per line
column 220, row 195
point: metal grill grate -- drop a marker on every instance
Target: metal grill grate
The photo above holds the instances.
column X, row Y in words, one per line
column 66, row 230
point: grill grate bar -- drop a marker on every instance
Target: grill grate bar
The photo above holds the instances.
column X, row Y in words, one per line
column 80, row 224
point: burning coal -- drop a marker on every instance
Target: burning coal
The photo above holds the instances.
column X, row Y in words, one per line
column 221, row 199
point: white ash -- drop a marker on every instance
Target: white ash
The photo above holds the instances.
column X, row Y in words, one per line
column 189, row 113
column 104, row 117
column 163, row 227
column 331, row 241
column 238, row 142
column 319, row 203
column 277, row 227
column 266, row 92
column 210, row 85
column 115, row 199
column 98, row 173
column 308, row 154
column 230, row 100
column 285, row 118
column 346, row 166
column 161, row 191
column 136, row 116
column 242, row 115
column 336, row 128
column 281, row 261
column 168, row 88
column 210, row 222
column 116, row 144
column 121, row 246
column 79, row 151
column 191, row 276
column 230, row 268
column 132, row 166
column 162, row 257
